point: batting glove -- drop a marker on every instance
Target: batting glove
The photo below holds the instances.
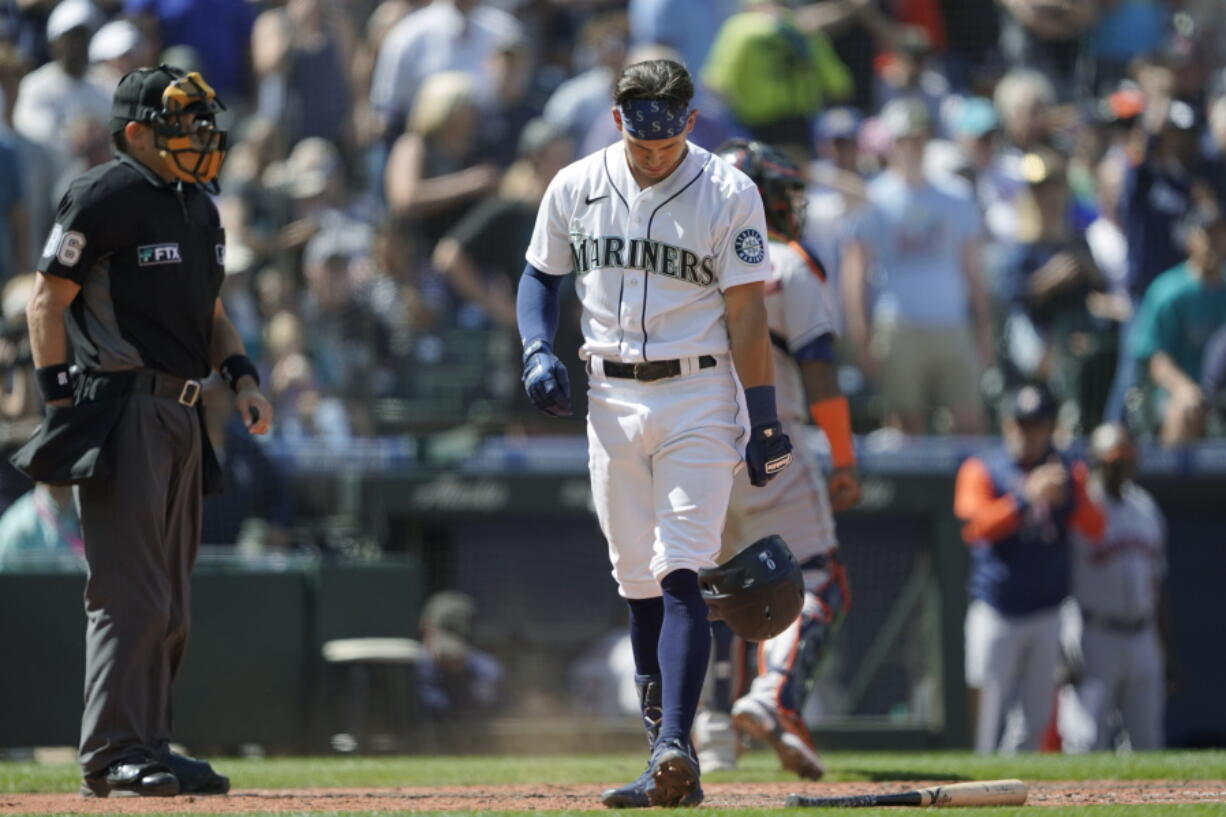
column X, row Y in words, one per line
column 768, row 452
column 545, row 380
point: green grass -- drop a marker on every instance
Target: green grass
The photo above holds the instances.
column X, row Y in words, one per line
column 376, row 772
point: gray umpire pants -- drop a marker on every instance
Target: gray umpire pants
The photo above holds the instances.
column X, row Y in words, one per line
column 142, row 530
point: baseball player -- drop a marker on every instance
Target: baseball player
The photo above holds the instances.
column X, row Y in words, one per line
column 127, row 289
column 668, row 243
column 797, row 505
column 1019, row 504
column 1117, row 582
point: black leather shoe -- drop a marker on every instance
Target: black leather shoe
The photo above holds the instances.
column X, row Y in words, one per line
column 131, row 778
column 196, row 776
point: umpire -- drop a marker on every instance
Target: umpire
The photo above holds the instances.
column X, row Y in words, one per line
column 128, row 285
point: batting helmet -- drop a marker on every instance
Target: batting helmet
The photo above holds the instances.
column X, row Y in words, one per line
column 758, row 593
column 779, row 182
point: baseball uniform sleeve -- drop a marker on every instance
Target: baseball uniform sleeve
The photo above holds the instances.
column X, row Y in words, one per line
column 741, row 249
column 806, row 304
column 79, row 237
column 987, row 516
column 549, row 250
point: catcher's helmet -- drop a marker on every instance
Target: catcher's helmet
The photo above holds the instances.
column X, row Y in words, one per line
column 160, row 98
column 759, row 592
column 779, row 182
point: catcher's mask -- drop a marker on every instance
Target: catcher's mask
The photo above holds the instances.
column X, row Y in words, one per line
column 779, row 182
column 164, row 98
column 758, row 593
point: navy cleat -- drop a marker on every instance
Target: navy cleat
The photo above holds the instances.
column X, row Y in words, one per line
column 674, row 773
column 635, row 794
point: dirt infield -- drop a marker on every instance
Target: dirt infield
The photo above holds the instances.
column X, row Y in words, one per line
column 535, row 797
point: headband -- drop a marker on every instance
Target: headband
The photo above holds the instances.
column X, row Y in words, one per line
column 653, row 118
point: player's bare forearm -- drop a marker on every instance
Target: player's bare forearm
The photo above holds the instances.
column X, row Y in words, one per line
column 748, row 335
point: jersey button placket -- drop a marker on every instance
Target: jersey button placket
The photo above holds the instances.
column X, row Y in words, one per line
column 633, row 293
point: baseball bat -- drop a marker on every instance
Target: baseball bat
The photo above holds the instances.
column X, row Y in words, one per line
column 978, row 793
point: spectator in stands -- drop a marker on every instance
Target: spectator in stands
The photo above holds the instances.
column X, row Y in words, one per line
column 908, row 71
column 1118, row 582
column 115, row 49
column 855, row 28
column 584, row 99
column 1051, row 333
column 1046, row 35
column 254, row 513
column 434, row 173
column 516, row 98
column 41, row 528
column 54, row 94
column 459, row 686
column 219, row 31
column 1181, row 310
column 34, row 160
column 1023, row 100
column 1018, row 504
column 655, row 22
column 835, row 193
column 445, row 36
column 304, row 411
column 1125, row 30
column 303, row 54
column 917, row 307
column 1213, row 382
column 775, row 107
column 14, row 254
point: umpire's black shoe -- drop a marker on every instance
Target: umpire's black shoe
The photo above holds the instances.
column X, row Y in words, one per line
column 131, row 778
column 196, row 776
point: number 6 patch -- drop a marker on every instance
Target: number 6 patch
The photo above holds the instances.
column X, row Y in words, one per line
column 65, row 246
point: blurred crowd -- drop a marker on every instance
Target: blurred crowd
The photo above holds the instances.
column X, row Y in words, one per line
column 1001, row 191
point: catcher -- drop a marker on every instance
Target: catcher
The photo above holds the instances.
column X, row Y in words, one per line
column 797, row 505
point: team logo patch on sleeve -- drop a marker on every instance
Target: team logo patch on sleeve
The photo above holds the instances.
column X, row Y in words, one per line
column 749, row 246
column 153, row 254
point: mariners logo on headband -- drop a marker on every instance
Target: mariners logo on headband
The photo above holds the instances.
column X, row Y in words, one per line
column 653, row 118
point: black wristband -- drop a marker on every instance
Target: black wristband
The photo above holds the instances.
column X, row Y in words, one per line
column 234, row 367
column 54, row 382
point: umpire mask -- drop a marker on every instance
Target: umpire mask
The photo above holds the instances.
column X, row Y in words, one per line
column 181, row 109
column 758, row 593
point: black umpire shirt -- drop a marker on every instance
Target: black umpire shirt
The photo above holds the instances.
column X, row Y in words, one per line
column 149, row 256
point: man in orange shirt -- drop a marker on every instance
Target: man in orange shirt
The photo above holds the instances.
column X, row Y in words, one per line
column 1019, row 502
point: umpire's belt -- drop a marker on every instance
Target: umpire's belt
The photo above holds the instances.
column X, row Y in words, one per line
column 186, row 392
column 650, row 370
column 1115, row 625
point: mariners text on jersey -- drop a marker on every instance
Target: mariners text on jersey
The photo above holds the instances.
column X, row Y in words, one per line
column 607, row 252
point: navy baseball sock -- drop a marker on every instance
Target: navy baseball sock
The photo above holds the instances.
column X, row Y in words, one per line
column 646, row 618
column 685, row 648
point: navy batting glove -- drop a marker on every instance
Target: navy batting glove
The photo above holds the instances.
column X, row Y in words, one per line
column 768, row 452
column 546, row 381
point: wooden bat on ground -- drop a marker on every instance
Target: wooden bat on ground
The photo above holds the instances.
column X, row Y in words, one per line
column 978, row 793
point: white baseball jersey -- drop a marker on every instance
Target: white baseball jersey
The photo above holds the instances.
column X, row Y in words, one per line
column 1116, row 577
column 652, row 264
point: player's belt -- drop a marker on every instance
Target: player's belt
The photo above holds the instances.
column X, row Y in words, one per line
column 651, row 370
column 1119, row 625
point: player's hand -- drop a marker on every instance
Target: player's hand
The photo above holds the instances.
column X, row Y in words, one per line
column 546, row 381
column 254, row 408
column 768, row 452
column 844, row 489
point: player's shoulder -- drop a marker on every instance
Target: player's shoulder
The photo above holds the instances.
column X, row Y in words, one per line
column 793, row 260
column 581, row 174
column 1142, row 500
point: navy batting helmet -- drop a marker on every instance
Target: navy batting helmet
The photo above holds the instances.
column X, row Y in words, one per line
column 758, row 593
column 779, row 182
